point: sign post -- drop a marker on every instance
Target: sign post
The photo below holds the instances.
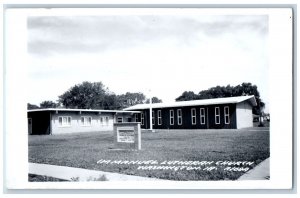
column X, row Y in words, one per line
column 127, row 135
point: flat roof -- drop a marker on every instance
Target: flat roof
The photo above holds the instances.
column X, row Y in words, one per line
column 229, row 100
column 83, row 110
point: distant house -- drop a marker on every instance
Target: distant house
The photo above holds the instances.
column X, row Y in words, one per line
column 219, row 113
column 60, row 121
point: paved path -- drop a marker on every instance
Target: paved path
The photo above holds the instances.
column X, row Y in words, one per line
column 260, row 172
column 80, row 174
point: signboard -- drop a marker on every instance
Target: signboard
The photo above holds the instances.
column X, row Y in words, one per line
column 125, row 134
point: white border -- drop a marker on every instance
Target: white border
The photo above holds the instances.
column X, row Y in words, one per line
column 228, row 115
column 202, row 116
column 194, row 116
column 143, row 118
column 179, row 117
column 172, row 110
column 280, row 64
column 159, row 120
column 217, row 115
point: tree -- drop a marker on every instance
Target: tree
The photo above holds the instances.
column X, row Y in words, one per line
column 48, row 104
column 154, row 100
column 246, row 89
column 243, row 89
column 110, row 102
column 187, row 95
column 87, row 95
column 130, row 99
column 32, row 106
column 217, row 92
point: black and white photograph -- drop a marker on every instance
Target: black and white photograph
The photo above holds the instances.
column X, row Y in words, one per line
column 148, row 95
column 205, row 74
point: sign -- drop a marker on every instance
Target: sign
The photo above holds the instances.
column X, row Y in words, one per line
column 125, row 134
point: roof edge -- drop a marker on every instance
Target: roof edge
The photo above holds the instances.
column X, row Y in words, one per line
column 236, row 100
column 86, row 110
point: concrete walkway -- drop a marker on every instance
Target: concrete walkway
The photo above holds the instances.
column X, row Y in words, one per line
column 80, row 174
column 260, row 172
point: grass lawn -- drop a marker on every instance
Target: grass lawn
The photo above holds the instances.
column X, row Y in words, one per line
column 85, row 149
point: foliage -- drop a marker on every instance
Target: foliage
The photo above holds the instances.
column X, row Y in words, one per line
column 228, row 91
column 32, row 106
column 48, row 104
column 154, row 100
column 130, row 99
column 87, row 95
column 187, row 95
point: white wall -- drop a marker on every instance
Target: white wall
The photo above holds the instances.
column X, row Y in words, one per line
column 244, row 115
column 76, row 125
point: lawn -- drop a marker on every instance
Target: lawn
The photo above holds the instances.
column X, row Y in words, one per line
column 85, row 149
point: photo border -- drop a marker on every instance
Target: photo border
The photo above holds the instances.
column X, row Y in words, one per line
column 294, row 78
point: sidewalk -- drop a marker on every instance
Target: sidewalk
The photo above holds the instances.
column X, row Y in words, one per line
column 79, row 174
column 260, row 172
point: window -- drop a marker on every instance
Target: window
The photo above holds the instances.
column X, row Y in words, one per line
column 136, row 118
column 159, row 117
column 179, row 117
column 142, row 118
column 64, row 121
column 171, row 117
column 106, row 120
column 120, row 119
column 193, row 116
column 226, row 115
column 153, row 118
column 217, row 115
column 202, row 115
column 86, row 121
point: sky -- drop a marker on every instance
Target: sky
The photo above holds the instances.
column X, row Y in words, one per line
column 167, row 54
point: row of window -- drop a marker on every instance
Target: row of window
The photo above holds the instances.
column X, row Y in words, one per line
column 64, row 121
column 159, row 120
column 202, row 116
column 226, row 115
column 193, row 116
column 104, row 120
column 217, row 115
